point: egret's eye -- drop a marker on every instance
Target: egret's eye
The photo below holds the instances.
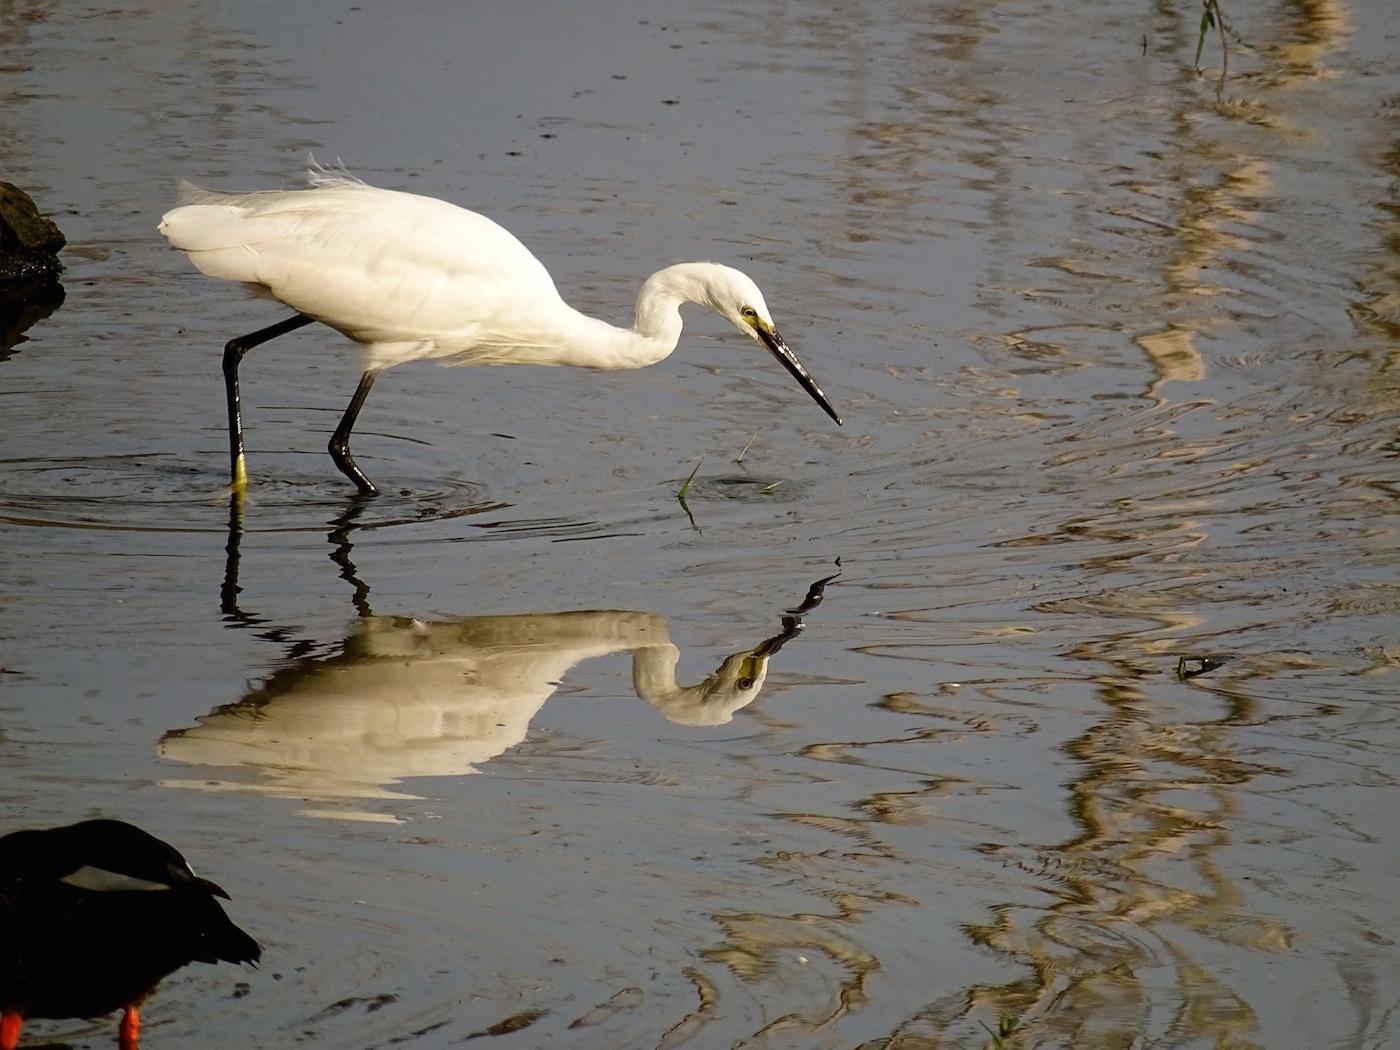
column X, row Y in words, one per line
column 749, row 313
column 745, row 683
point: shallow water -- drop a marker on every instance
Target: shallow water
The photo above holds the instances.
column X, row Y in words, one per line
column 1117, row 360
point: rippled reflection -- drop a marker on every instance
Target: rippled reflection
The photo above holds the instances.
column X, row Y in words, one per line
column 405, row 697
column 1139, row 895
column 1141, row 930
column 1199, row 238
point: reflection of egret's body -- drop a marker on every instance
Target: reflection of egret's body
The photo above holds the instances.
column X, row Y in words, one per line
column 408, row 698
column 410, row 277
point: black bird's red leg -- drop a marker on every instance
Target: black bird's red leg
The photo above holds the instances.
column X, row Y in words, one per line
column 130, row 1031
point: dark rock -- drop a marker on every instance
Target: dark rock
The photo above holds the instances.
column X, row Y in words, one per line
column 29, row 242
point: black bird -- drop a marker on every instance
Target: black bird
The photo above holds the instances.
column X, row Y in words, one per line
column 93, row 916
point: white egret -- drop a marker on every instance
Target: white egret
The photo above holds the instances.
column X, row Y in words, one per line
column 410, row 277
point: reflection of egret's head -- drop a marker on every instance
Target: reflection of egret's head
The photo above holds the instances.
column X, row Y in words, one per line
column 734, row 685
column 709, row 703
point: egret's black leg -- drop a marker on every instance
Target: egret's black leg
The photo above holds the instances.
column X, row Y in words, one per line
column 233, row 353
column 340, row 440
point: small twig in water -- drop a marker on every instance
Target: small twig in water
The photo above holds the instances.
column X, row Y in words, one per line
column 1006, row 1026
column 750, row 441
column 685, row 488
column 1213, row 18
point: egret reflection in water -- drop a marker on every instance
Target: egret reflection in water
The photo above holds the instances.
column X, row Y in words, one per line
column 405, row 697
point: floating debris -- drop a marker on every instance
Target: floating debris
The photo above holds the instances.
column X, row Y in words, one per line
column 1195, row 666
column 514, row 1023
column 748, row 489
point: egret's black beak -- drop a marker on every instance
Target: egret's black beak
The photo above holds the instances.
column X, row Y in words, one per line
column 774, row 342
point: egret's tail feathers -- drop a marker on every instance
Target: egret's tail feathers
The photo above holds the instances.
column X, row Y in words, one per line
column 219, row 237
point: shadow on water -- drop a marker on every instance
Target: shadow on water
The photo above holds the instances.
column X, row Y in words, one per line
column 404, row 697
column 23, row 304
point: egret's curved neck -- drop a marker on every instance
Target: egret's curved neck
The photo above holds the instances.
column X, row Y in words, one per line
column 654, row 675
column 654, row 333
column 711, row 702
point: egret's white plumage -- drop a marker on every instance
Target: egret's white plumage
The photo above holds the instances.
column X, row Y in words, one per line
column 410, row 277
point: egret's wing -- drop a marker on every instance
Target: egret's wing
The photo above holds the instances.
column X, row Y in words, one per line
column 377, row 265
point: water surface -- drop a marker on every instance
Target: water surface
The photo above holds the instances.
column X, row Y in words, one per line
column 1115, row 347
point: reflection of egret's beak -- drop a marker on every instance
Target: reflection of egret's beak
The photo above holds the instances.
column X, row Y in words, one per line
column 774, row 342
column 791, row 626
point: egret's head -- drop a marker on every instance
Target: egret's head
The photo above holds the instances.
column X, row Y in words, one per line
column 713, row 702
column 732, row 294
